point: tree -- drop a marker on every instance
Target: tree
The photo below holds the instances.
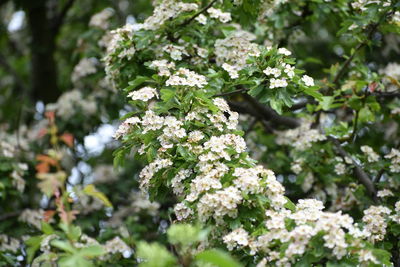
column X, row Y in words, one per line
column 275, row 166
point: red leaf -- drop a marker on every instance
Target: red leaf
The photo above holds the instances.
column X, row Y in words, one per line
column 42, row 167
column 68, row 139
column 372, row 86
column 48, row 214
column 42, row 132
column 50, row 115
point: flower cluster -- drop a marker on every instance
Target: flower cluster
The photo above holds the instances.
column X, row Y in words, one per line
column 144, row 94
column 394, row 157
column 300, row 138
column 191, row 141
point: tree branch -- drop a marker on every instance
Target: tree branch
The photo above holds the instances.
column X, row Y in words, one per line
column 263, row 113
column 6, row 216
column 271, row 115
column 231, row 93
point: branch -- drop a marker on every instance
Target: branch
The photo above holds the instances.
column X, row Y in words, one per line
column 271, row 115
column 361, row 176
column 6, row 216
column 231, row 93
column 263, row 113
column 386, row 94
column 379, row 175
column 59, row 19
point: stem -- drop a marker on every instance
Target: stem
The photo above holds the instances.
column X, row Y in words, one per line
column 232, row 92
column 198, row 13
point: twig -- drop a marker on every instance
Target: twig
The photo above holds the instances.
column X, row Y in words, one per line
column 6, row 216
column 198, row 13
column 353, row 134
column 379, row 176
column 362, row 177
column 231, row 93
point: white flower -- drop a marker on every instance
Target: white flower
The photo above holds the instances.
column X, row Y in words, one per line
column 186, row 77
column 385, row 193
column 308, row 81
column 175, row 51
column 371, row 155
column 289, row 70
column 144, row 94
column 237, row 238
column 100, row 20
column 232, row 70
column 275, row 83
column 272, row 71
column 284, row 51
column 201, row 19
column 218, row 14
column 340, row 169
column 85, row 67
column 163, row 67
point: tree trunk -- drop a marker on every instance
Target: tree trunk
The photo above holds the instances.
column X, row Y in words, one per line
column 43, row 43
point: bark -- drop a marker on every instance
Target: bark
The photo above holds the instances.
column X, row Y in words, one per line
column 43, row 43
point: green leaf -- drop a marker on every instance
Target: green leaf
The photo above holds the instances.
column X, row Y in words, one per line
column 46, row 228
column 33, row 245
column 217, row 258
column 75, row 260
column 313, row 91
column 92, row 251
column 167, row 94
column 326, row 102
column 184, row 234
column 154, row 255
column 136, row 82
column 63, row 245
column 366, row 115
column 91, row 190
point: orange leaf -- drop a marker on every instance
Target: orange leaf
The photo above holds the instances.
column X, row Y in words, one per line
column 42, row 167
column 48, row 214
column 42, row 132
column 46, row 159
column 68, row 139
column 372, row 86
column 50, row 115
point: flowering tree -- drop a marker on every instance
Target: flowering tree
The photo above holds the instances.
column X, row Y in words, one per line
column 243, row 150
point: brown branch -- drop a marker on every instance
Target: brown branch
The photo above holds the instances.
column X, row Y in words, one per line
column 361, row 176
column 231, row 93
column 271, row 115
column 263, row 113
column 9, row 215
column 386, row 94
